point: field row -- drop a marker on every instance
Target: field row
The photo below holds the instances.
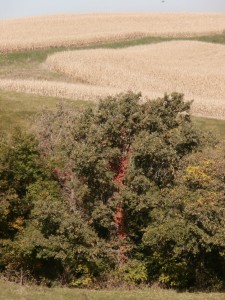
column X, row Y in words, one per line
column 196, row 69
column 201, row 107
column 79, row 29
column 75, row 91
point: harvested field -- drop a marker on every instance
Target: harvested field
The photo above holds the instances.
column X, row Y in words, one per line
column 58, row 89
column 81, row 29
column 196, row 69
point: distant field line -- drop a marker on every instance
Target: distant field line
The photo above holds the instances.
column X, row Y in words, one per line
column 75, row 91
column 80, row 29
column 211, row 108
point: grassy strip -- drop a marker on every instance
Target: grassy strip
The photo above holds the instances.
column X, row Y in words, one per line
column 215, row 39
column 17, row 109
column 41, row 54
column 28, row 64
column 213, row 125
column 10, row 291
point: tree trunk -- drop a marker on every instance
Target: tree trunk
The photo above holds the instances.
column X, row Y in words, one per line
column 119, row 217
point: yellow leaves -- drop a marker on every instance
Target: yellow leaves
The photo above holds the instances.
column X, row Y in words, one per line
column 85, row 279
column 203, row 177
column 199, row 176
column 165, row 279
column 200, row 201
column 196, row 173
column 209, row 197
column 17, row 224
column 208, row 162
column 6, row 212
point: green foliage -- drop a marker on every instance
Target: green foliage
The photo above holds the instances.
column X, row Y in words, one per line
column 60, row 197
column 90, row 148
column 135, row 272
column 20, row 163
column 20, row 166
column 131, row 273
column 185, row 239
column 40, row 236
column 84, row 279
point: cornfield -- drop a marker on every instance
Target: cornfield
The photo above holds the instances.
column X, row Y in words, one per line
column 57, row 89
column 196, row 69
column 81, row 29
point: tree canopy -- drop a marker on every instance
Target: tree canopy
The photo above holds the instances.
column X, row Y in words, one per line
column 128, row 191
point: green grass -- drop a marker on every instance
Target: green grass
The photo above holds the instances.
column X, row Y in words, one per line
column 18, row 109
column 40, row 55
column 216, row 39
column 216, row 126
column 28, row 64
column 10, row 291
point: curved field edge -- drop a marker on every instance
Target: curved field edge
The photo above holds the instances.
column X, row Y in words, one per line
column 201, row 107
column 87, row 92
column 129, row 67
column 80, row 29
column 29, row 64
column 19, row 109
column 171, row 66
column 40, row 55
column 58, row 89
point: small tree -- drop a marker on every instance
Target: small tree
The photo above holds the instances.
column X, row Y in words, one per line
column 115, row 154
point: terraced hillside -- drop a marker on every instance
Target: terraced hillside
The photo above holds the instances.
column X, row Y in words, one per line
column 178, row 59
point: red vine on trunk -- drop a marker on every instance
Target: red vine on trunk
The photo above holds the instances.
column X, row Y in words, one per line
column 119, row 217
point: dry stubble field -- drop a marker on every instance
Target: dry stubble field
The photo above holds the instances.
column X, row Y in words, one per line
column 194, row 68
column 81, row 29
